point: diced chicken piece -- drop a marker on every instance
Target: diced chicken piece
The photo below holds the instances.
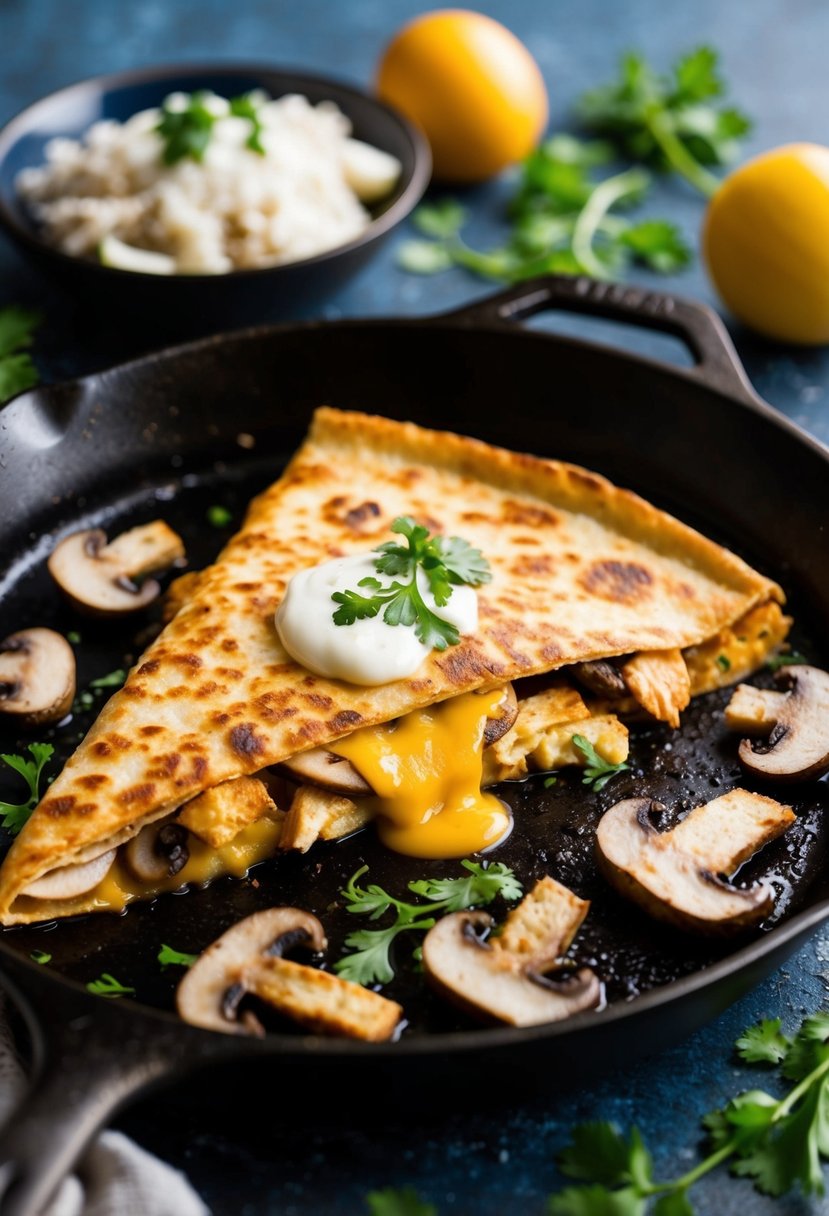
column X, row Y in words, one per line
column 316, row 813
column 541, row 928
column 322, row 1002
column 506, row 758
column 753, row 711
column 219, row 814
column 659, row 681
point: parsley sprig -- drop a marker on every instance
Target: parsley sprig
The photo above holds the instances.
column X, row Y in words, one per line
column 107, row 985
column 168, row 957
column 446, row 561
column 597, row 771
column 789, row 658
column 17, row 372
column 562, row 221
column 186, row 126
column 675, row 122
column 15, row 814
column 370, row 963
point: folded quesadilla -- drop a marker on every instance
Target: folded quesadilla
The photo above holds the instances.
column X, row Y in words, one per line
column 583, row 574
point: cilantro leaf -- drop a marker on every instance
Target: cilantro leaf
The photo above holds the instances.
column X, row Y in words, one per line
column 168, row 957
column 392, row 1202
column 16, row 814
column 186, row 129
column 696, row 77
column 658, row 244
column 424, row 257
column 369, row 962
column 40, row 956
column 598, row 1153
column 249, row 106
column 17, row 371
column 598, row 771
column 676, row 1203
column 809, row 1049
column 441, row 219
column 596, row 1201
column 218, row 516
column 764, row 1043
column 107, row 985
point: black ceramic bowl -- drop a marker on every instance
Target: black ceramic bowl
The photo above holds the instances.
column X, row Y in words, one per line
column 187, row 304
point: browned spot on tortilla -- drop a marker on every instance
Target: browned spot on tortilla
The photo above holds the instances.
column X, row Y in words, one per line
column 207, row 689
column 244, row 740
column 148, row 668
column 345, row 719
column 526, row 565
column 165, row 766
column 137, row 793
column 151, row 730
column 527, row 513
column 319, row 700
column 460, row 664
column 620, row 582
column 221, row 719
column 229, row 644
column 134, row 690
column 357, row 516
column 588, row 480
column 122, row 744
column 101, row 748
column 230, row 673
column 58, row 806
column 92, row 781
column 475, row 517
column 187, row 660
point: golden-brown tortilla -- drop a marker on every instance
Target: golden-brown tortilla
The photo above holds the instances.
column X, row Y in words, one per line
column 581, row 570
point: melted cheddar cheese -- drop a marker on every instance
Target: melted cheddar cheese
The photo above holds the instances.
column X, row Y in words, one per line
column 426, row 771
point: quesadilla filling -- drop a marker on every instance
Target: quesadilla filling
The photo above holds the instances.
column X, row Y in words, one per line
column 230, row 741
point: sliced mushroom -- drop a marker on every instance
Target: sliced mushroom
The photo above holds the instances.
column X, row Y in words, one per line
column 673, row 875
column 68, row 881
column 211, row 992
column 798, row 742
column 503, row 979
column 601, row 677
column 159, row 851
column 37, row 676
column 98, row 578
column 328, row 771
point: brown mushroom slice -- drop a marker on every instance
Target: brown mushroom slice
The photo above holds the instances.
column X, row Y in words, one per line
column 159, row 851
column 322, row 1002
column 753, row 711
column 502, row 980
column 327, row 771
column 211, row 991
column 68, row 881
column 219, row 814
column 37, row 676
column 492, row 984
column 602, row 677
column 98, row 577
column 673, row 875
column 504, row 717
column 659, row 681
column 798, row 744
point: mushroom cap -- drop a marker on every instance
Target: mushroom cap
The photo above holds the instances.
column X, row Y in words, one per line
column 201, row 995
column 158, row 851
column 93, row 582
column 647, row 866
column 68, row 881
column 798, row 746
column 37, row 676
column 492, row 984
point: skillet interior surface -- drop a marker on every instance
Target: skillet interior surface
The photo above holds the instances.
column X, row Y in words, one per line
column 169, row 428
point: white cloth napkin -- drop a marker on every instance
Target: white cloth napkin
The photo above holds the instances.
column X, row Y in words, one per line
column 116, row 1177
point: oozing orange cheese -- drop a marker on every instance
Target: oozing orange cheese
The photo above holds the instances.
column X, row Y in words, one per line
column 426, row 772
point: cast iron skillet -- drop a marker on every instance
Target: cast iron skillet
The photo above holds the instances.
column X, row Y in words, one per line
column 160, row 437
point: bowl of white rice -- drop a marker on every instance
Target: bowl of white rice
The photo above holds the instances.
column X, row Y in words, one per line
column 206, row 198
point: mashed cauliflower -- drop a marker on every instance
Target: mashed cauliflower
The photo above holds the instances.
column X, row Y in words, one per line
column 235, row 209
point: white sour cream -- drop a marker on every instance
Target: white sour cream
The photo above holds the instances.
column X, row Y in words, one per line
column 369, row 651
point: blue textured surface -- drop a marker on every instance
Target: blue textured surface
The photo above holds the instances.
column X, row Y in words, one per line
column 775, row 56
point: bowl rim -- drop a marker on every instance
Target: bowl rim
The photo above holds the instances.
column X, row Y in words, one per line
column 377, row 227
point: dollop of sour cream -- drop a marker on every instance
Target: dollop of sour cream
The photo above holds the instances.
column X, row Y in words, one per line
column 369, row 651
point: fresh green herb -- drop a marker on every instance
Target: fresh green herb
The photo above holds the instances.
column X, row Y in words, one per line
column 549, row 782
column 562, row 220
column 790, row 658
column 447, row 562
column 723, row 662
column 370, row 964
column 186, row 128
column 391, row 1202
column 168, row 957
column 249, row 106
column 17, row 372
column 74, row 637
column 598, row 771
column 777, row 1142
column 113, row 679
column 675, row 122
column 16, row 814
column 219, row 516
column 40, row 956
column 108, row 986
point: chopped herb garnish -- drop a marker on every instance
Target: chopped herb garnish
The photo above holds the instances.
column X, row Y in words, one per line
column 16, row 814
column 391, row 1202
column 40, row 956
column 549, row 782
column 113, row 679
column 447, row 562
column 168, row 957
column 598, row 771
column 790, row 658
column 676, row 122
column 109, row 986
column 186, row 128
column 249, row 106
column 723, row 662
column 17, row 372
column 219, row 516
column 370, row 964
column 74, row 637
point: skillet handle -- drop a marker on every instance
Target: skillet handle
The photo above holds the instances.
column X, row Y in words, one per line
column 90, row 1056
column 717, row 364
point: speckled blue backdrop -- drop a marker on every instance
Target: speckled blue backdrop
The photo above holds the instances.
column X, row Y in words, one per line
column 775, row 55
